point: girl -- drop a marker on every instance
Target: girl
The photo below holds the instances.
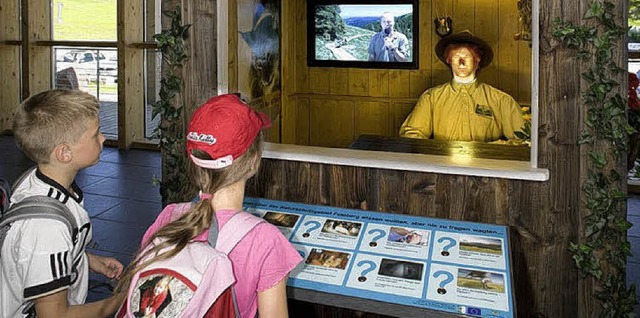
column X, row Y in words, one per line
column 224, row 143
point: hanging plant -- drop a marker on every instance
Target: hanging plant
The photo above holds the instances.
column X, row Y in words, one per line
column 169, row 107
column 603, row 253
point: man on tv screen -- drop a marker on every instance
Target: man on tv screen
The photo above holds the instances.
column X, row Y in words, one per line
column 388, row 45
column 464, row 109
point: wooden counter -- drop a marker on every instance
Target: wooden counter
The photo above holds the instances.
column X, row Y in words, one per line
column 471, row 149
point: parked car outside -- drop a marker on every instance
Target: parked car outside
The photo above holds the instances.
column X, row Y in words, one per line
column 89, row 63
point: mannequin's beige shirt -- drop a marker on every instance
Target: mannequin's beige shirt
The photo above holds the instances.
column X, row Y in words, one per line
column 466, row 112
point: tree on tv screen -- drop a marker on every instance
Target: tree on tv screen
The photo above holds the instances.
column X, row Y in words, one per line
column 328, row 22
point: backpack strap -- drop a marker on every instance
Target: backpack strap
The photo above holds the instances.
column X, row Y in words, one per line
column 233, row 231
column 5, row 194
column 41, row 207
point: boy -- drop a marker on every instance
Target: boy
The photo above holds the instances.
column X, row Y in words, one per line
column 42, row 263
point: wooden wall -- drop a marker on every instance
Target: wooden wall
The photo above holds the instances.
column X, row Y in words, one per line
column 543, row 217
column 332, row 106
column 10, row 36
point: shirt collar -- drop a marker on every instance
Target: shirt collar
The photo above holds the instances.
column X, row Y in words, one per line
column 469, row 87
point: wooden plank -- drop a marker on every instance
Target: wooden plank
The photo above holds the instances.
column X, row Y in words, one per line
column 440, row 72
column 506, row 48
column 353, row 178
column 298, row 23
column 399, row 83
column 109, row 44
column 359, row 82
column 464, row 15
column 379, row 83
column 426, row 35
column 341, row 116
column 373, row 119
column 232, row 37
column 319, row 80
column 39, row 57
column 339, row 81
column 9, row 86
column 400, row 111
column 524, row 78
column 485, row 26
column 10, row 66
column 420, row 81
column 420, row 189
column 201, row 73
column 303, row 122
column 131, row 112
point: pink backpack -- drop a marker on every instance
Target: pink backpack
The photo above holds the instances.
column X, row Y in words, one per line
column 198, row 281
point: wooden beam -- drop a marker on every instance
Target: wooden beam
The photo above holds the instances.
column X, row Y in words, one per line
column 90, row 44
column 10, row 35
column 131, row 89
column 38, row 62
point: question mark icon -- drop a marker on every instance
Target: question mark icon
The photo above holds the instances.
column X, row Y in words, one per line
column 381, row 234
column 445, row 249
column 364, row 272
column 312, row 226
column 444, row 282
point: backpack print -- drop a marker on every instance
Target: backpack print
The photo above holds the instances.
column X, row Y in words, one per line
column 196, row 282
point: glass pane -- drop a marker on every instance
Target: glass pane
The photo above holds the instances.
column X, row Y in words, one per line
column 153, row 62
column 86, row 20
column 152, row 21
column 634, row 26
column 94, row 71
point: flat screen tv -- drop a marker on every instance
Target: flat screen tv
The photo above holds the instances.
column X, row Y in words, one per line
column 362, row 33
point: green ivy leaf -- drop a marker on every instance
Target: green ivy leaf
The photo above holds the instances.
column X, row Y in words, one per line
column 598, row 159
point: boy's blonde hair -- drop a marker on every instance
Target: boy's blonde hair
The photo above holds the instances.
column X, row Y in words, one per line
column 51, row 118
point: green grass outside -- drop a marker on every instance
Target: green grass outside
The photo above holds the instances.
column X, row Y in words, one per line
column 86, row 20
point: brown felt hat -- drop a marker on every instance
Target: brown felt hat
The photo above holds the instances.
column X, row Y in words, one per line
column 465, row 37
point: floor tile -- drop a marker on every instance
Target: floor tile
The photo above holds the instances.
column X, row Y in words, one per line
column 116, row 237
column 635, row 228
column 98, row 204
column 133, row 212
column 633, row 205
column 138, row 190
column 84, row 180
column 133, row 172
column 635, row 250
column 102, row 169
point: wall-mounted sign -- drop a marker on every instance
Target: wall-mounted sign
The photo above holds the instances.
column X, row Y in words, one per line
column 450, row 266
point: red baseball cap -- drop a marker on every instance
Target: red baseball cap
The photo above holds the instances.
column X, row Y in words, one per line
column 224, row 127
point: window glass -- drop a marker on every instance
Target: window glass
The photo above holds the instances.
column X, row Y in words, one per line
column 84, row 20
column 94, row 71
column 153, row 61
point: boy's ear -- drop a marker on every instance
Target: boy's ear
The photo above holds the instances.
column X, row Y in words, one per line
column 62, row 153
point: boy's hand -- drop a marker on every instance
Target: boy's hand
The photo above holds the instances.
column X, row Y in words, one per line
column 107, row 266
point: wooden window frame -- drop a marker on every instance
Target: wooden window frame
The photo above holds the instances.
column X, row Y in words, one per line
column 31, row 70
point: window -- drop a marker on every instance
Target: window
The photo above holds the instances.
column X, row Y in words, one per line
column 82, row 45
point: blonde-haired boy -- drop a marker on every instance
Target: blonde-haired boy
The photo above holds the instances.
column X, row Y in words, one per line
column 42, row 263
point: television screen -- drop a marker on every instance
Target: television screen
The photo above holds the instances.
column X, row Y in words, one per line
column 371, row 34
